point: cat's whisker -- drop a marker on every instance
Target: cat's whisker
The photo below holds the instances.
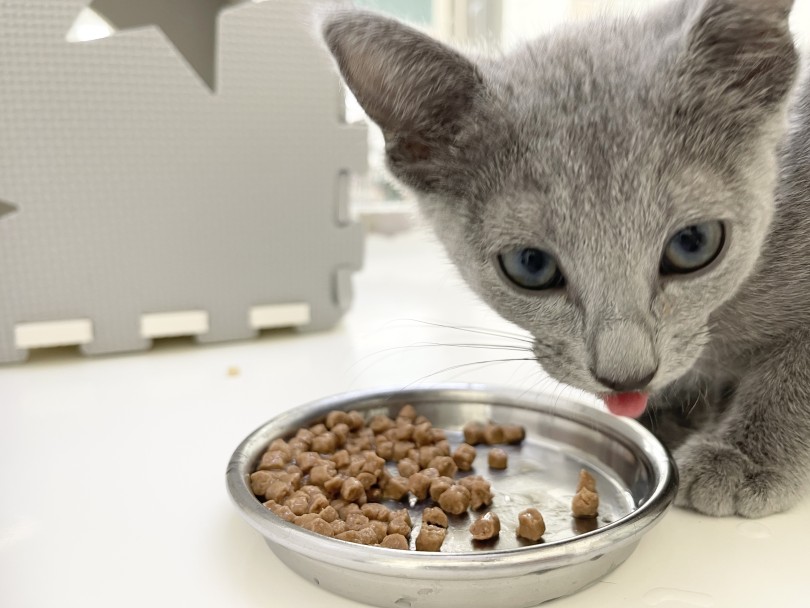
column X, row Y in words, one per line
column 464, row 365
column 476, row 330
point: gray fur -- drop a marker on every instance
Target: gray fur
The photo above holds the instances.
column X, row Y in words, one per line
column 597, row 143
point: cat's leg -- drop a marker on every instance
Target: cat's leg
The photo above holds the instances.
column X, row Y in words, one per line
column 757, row 459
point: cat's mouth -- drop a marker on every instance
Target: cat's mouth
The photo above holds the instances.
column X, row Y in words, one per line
column 631, row 405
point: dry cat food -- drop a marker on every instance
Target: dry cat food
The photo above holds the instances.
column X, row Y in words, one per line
column 497, row 459
column 492, row 434
column 331, row 477
column 530, row 524
column 486, row 527
column 585, row 504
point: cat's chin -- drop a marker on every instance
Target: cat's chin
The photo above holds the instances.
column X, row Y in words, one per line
column 630, row 405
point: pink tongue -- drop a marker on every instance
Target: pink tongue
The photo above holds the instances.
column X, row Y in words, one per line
column 631, row 405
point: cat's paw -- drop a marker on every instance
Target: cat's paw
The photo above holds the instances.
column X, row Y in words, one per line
column 718, row 479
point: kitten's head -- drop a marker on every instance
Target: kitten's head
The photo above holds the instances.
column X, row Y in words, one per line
column 606, row 187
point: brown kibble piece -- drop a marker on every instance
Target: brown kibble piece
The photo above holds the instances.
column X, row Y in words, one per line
column 282, row 511
column 379, row 424
column 407, row 467
column 399, row 525
column 480, row 491
column 355, row 420
column 407, row 411
column 395, row 541
column 307, row 460
column 297, row 446
column 325, row 443
column 426, row 454
column 338, row 526
column 455, row 500
column 396, row 488
column 530, row 524
column 305, row 435
column 486, row 527
column 356, row 521
column 435, row 517
column 385, row 449
column 497, row 459
column 443, row 447
column 430, row 538
column 334, row 485
column 419, row 485
column 278, row 490
column 319, row 526
column 344, row 508
column 279, row 445
column 402, row 514
column 445, row 465
column 318, row 429
column 336, row 417
column 376, row 511
column 439, row 486
column 403, row 431
column 341, row 458
column 585, row 504
column 380, row 529
column 373, row 463
column 513, row 433
column 352, row 489
column 298, row 503
column 322, row 473
column 367, row 479
column 473, row 433
column 273, row 460
column 341, row 432
column 353, row 536
column 329, row 514
column 368, row 536
column 401, row 449
column 464, row 456
column 259, row 482
column 493, row 434
column 586, row 480
column 423, row 434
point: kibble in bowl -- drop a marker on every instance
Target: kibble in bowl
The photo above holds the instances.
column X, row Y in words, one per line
column 362, row 556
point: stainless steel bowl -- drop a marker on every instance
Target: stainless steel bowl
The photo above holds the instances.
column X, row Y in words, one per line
column 635, row 476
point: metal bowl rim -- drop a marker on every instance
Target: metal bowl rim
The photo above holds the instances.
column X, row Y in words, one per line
column 380, row 560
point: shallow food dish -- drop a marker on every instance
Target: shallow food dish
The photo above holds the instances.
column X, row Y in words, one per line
column 635, row 477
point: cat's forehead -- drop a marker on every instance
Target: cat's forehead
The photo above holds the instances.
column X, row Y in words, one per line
column 633, row 207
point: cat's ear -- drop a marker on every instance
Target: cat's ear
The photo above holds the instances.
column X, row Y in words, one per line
column 418, row 90
column 740, row 56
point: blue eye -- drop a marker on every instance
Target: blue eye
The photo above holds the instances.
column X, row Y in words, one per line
column 693, row 248
column 531, row 269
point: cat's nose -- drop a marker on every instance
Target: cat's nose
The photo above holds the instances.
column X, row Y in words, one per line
column 628, row 384
column 623, row 356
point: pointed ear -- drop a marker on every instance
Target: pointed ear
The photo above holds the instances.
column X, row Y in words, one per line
column 418, row 90
column 740, row 57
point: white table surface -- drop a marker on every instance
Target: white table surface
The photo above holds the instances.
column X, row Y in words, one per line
column 112, row 469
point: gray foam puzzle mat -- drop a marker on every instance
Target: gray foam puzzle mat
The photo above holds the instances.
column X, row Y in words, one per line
column 153, row 186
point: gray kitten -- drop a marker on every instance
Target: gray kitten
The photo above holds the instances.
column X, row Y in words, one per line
column 635, row 193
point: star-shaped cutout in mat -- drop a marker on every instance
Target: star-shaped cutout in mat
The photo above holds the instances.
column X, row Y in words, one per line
column 6, row 208
column 190, row 25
